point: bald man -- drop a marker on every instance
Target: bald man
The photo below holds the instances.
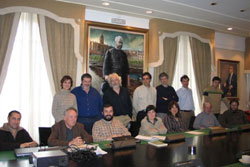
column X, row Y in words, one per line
column 68, row 131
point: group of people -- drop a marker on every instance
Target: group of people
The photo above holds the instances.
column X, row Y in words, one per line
column 82, row 115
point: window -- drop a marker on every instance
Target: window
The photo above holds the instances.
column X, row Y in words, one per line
column 184, row 60
column 26, row 87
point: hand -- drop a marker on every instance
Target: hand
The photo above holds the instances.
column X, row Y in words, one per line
column 76, row 141
column 230, row 87
column 225, row 84
column 28, row 144
column 164, row 98
column 106, row 77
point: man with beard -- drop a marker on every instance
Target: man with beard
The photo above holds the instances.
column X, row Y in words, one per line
column 108, row 127
column 119, row 98
column 89, row 103
column 233, row 116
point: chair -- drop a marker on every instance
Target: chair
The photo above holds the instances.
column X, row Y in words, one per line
column 191, row 123
column 44, row 133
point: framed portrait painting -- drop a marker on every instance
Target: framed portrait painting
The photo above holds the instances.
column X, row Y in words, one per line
column 229, row 73
column 101, row 39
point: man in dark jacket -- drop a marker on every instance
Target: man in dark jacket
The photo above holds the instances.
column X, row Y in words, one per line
column 115, row 61
column 68, row 131
column 13, row 136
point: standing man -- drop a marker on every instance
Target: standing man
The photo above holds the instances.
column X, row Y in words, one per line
column 119, row 98
column 233, row 116
column 186, row 101
column 144, row 95
column 214, row 95
column 165, row 94
column 206, row 118
column 89, row 103
column 108, row 127
column 13, row 136
column 231, row 83
column 116, row 61
column 68, row 132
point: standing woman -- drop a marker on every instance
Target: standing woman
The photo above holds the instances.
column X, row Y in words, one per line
column 173, row 121
column 63, row 99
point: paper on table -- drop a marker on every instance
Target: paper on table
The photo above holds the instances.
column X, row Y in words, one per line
column 146, row 138
column 99, row 151
column 150, row 138
column 195, row 133
column 159, row 137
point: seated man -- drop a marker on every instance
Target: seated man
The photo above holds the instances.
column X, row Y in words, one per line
column 205, row 119
column 233, row 116
column 69, row 132
column 108, row 127
column 13, row 136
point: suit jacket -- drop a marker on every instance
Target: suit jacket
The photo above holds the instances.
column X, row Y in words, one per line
column 58, row 134
column 233, row 83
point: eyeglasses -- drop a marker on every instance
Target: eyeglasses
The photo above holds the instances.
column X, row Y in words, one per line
column 145, row 78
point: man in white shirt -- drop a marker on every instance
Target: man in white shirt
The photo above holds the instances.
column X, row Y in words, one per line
column 144, row 95
column 186, row 101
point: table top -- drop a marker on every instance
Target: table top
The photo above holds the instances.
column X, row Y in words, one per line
column 211, row 150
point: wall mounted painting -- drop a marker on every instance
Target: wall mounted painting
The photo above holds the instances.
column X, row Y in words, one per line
column 101, row 38
column 228, row 71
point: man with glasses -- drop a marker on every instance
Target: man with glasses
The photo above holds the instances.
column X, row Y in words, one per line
column 165, row 94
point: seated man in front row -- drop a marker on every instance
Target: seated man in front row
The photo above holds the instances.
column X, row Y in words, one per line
column 68, row 131
column 233, row 116
column 13, row 136
column 206, row 118
column 108, row 127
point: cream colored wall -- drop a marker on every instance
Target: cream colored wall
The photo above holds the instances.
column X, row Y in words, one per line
column 235, row 56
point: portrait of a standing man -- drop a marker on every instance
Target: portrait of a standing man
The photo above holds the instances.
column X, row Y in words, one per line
column 116, row 61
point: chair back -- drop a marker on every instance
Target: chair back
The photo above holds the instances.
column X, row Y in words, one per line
column 44, row 133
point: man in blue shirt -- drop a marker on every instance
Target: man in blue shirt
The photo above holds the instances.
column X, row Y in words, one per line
column 89, row 103
column 186, row 101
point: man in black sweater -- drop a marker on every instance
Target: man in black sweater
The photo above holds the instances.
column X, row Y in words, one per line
column 13, row 136
column 165, row 94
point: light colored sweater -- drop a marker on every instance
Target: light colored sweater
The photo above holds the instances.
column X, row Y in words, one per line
column 62, row 101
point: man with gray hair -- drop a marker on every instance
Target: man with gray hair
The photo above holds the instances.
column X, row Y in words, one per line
column 115, row 61
column 119, row 98
column 68, row 131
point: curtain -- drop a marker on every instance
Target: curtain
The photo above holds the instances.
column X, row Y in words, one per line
column 184, row 66
column 8, row 26
column 26, row 87
column 60, row 44
column 168, row 65
column 202, row 63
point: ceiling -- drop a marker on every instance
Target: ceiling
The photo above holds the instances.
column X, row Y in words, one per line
column 226, row 13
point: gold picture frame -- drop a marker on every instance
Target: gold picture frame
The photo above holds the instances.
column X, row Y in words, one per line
column 227, row 79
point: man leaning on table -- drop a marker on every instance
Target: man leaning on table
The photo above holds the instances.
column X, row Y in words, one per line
column 68, row 131
column 233, row 116
column 13, row 136
column 206, row 118
column 108, row 127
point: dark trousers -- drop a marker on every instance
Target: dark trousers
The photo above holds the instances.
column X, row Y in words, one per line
column 88, row 123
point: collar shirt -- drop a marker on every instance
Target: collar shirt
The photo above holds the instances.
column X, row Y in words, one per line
column 103, row 129
column 144, row 96
column 89, row 104
column 205, row 120
column 186, row 101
